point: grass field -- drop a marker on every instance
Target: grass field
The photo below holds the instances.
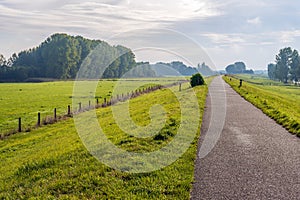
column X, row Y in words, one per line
column 25, row 100
column 52, row 163
column 280, row 102
column 258, row 79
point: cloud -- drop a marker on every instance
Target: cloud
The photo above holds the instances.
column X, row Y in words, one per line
column 288, row 36
column 110, row 15
column 98, row 19
column 228, row 27
column 162, row 45
column 224, row 39
column 249, row 39
column 254, row 21
column 156, row 10
column 257, row 50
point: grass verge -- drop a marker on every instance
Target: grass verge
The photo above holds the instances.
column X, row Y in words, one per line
column 280, row 102
column 52, row 163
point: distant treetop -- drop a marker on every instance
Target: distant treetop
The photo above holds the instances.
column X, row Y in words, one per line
column 238, row 68
column 287, row 66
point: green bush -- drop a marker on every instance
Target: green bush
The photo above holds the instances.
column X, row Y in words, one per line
column 197, row 79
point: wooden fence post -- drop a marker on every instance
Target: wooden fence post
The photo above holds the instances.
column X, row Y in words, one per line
column 55, row 116
column 69, row 110
column 20, row 125
column 79, row 106
column 39, row 119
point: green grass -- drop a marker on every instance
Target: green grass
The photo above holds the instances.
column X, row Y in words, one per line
column 280, row 102
column 52, row 163
column 258, row 79
column 25, row 100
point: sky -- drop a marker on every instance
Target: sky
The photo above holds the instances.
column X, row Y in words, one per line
column 193, row 31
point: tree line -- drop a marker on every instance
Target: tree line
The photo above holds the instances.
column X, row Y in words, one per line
column 205, row 70
column 238, row 68
column 286, row 67
column 60, row 56
column 178, row 68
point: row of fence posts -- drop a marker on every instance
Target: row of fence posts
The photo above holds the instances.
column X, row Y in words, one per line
column 39, row 118
column 105, row 103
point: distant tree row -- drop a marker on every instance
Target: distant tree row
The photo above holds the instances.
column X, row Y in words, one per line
column 205, row 70
column 238, row 68
column 181, row 68
column 175, row 68
column 7, row 63
column 287, row 66
column 178, row 68
column 143, row 69
column 61, row 56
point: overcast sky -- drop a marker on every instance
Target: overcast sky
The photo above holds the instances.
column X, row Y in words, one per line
column 226, row 31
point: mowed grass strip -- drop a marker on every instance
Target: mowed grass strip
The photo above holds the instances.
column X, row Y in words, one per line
column 281, row 103
column 52, row 163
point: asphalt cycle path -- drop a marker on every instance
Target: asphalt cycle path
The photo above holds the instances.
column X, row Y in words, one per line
column 243, row 154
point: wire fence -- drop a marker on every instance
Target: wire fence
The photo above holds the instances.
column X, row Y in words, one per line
column 90, row 105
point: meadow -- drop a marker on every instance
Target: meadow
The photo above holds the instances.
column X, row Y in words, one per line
column 259, row 80
column 278, row 101
column 26, row 100
column 52, row 162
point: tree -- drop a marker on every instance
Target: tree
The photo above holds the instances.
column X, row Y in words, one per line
column 2, row 61
column 237, row 68
column 230, row 69
column 295, row 66
column 11, row 60
column 60, row 56
column 249, row 71
column 197, row 79
column 287, row 66
column 175, row 68
column 205, row 70
column 123, row 61
column 271, row 71
column 283, row 62
column 297, row 71
column 143, row 69
column 240, row 67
